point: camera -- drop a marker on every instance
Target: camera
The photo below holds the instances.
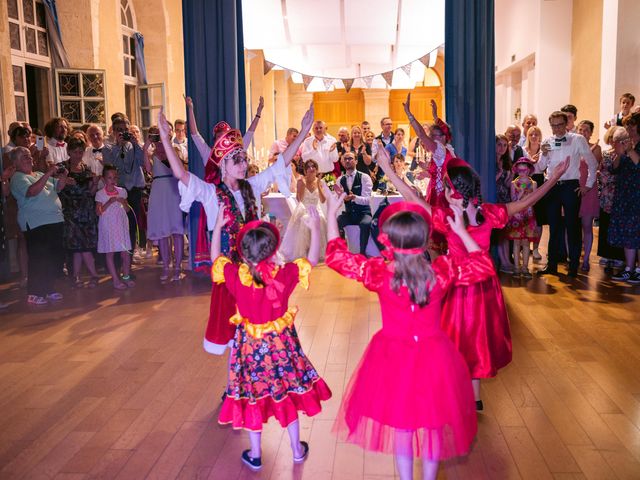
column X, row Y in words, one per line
column 154, row 137
column 126, row 135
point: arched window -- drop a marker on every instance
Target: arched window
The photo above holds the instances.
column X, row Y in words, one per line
column 128, row 27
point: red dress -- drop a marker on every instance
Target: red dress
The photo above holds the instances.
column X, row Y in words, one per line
column 411, row 389
column 436, row 197
column 475, row 316
column 269, row 374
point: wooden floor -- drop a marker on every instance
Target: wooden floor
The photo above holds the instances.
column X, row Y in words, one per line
column 116, row 385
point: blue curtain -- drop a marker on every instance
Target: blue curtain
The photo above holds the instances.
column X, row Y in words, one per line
column 470, row 85
column 141, row 66
column 58, row 53
column 214, row 73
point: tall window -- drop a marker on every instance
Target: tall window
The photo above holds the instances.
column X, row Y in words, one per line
column 29, row 43
column 127, row 20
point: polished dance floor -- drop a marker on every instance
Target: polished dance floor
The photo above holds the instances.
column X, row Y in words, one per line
column 116, row 385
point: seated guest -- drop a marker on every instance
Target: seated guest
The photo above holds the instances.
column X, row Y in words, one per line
column 357, row 210
column 321, row 147
column 92, row 157
column 56, row 131
column 41, row 220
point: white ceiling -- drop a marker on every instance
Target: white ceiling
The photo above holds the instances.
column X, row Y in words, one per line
column 345, row 38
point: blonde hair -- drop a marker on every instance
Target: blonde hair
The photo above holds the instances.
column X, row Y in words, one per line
column 534, row 128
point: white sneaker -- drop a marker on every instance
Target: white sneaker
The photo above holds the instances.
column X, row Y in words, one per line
column 54, row 297
column 36, row 300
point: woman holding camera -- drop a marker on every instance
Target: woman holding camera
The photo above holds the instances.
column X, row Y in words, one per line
column 164, row 218
column 41, row 220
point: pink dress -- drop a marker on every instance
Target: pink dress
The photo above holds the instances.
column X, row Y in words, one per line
column 411, row 392
column 113, row 224
column 522, row 225
column 589, row 203
column 475, row 316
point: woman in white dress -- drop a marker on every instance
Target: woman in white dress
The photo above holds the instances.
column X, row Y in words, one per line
column 296, row 239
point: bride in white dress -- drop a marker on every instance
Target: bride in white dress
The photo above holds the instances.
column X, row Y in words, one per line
column 297, row 237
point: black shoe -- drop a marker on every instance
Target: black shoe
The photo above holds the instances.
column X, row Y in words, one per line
column 253, row 463
column 305, row 453
column 479, row 406
column 573, row 272
column 548, row 270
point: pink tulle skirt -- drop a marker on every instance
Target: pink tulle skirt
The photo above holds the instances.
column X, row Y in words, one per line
column 410, row 397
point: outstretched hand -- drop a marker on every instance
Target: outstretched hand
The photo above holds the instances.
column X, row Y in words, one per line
column 384, row 161
column 260, row 106
column 456, row 223
column 221, row 219
column 434, row 109
column 307, row 120
column 407, row 106
column 334, row 199
column 189, row 101
column 561, row 168
column 163, row 124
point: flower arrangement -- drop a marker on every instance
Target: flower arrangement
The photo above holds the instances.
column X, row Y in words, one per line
column 330, row 180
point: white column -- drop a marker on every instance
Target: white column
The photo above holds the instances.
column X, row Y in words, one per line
column 608, row 100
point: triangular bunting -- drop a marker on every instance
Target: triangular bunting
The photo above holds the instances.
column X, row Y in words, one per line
column 268, row 66
column 328, row 83
column 368, row 81
column 250, row 55
column 425, row 59
column 287, row 74
column 348, row 83
column 433, row 58
column 306, row 80
column 388, row 77
column 407, row 69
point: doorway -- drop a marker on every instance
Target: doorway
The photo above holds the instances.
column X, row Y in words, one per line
column 38, row 95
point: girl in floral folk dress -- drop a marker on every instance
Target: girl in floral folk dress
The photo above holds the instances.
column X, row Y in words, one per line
column 522, row 227
column 269, row 374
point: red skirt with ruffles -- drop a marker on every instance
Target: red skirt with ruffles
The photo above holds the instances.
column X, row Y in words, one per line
column 270, row 377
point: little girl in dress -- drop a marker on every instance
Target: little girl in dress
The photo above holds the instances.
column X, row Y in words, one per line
column 269, row 374
column 411, row 393
column 522, row 227
column 113, row 227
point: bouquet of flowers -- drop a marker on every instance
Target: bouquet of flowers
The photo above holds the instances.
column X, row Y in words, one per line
column 330, row 180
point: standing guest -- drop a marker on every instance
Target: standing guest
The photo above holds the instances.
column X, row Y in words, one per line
column 297, row 237
column 357, row 145
column 56, row 131
column 572, row 115
column 386, row 135
column 624, row 229
column 397, row 146
column 565, row 196
column 400, row 167
column 429, row 411
column 164, row 219
column 127, row 156
column 113, row 227
column 589, row 204
column 93, row 154
column 80, row 236
column 527, row 122
column 269, row 374
column 366, row 127
column 504, row 177
column 342, row 144
column 357, row 211
column 41, row 221
column 321, row 147
column 627, row 101
column 610, row 254
column 522, row 227
column 279, row 146
column 238, row 194
column 513, row 136
column 532, row 150
column 11, row 144
column 180, row 139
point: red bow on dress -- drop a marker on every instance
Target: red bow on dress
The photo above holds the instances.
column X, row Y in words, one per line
column 273, row 287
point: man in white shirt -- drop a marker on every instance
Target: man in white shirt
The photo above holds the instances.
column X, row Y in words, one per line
column 92, row 157
column 527, row 122
column 513, row 135
column 321, row 147
column 180, row 140
column 572, row 115
column 357, row 210
column 280, row 146
column 56, row 131
column 565, row 195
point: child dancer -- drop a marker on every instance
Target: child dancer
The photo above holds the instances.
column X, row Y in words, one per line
column 474, row 316
column 269, row 374
column 113, row 226
column 522, row 227
column 411, row 392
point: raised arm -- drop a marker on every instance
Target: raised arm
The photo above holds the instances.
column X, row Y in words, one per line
column 334, row 202
column 191, row 118
column 38, row 186
column 526, row 202
column 176, row 164
column 313, row 222
column 246, row 139
column 293, row 147
column 458, row 227
column 405, row 190
column 221, row 221
column 426, row 140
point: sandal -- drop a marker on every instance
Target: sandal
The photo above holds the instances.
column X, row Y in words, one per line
column 305, row 453
column 177, row 276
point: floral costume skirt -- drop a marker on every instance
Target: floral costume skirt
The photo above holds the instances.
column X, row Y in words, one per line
column 270, row 377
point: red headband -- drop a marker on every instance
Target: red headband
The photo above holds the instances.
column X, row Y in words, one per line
column 387, row 213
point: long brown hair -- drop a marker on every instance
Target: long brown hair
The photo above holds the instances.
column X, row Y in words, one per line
column 258, row 245
column 505, row 159
column 409, row 230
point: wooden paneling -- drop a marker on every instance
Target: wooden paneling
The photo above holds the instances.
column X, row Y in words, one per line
column 339, row 108
column 420, row 105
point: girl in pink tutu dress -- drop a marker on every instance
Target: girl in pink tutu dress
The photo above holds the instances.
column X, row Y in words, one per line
column 411, row 392
column 269, row 374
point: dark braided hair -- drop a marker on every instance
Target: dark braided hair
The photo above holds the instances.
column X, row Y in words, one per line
column 258, row 245
column 467, row 183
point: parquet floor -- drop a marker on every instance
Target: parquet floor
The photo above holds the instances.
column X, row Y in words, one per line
column 109, row 385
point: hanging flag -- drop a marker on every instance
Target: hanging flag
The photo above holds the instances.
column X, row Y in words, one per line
column 268, row 66
column 388, row 77
column 306, row 80
column 348, row 83
column 287, row 74
column 407, row 70
column 250, row 55
column 433, row 58
column 425, row 59
column 368, row 80
column 328, row 83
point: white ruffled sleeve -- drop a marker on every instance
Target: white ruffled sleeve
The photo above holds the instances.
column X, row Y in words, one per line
column 278, row 172
column 199, row 191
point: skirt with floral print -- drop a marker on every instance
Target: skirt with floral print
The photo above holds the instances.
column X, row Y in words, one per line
column 270, row 377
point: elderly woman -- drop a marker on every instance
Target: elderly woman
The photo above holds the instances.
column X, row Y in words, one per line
column 41, row 220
